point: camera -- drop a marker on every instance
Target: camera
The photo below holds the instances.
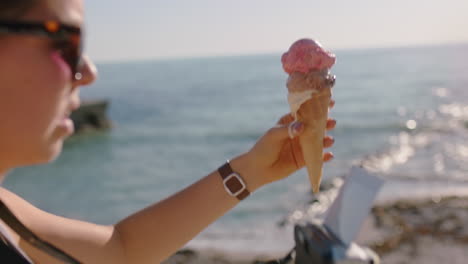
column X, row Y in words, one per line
column 317, row 244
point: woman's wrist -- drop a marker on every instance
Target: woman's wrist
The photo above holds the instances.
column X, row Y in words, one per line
column 252, row 177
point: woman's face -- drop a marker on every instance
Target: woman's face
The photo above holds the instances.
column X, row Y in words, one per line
column 37, row 92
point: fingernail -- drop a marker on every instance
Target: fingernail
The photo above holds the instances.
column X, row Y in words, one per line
column 294, row 129
column 298, row 126
column 328, row 156
column 329, row 140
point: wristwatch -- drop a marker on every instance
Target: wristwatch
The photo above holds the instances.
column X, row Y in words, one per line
column 233, row 182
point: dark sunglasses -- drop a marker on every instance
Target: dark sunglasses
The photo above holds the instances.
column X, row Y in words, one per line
column 68, row 38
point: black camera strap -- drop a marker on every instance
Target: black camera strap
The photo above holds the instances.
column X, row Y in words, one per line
column 10, row 219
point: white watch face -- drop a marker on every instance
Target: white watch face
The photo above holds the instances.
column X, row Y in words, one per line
column 234, row 184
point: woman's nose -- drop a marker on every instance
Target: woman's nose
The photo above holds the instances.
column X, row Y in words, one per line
column 88, row 72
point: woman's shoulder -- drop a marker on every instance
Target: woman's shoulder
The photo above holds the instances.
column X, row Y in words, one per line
column 8, row 197
column 29, row 215
column 11, row 202
column 19, row 206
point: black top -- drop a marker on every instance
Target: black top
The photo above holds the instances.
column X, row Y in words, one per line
column 9, row 254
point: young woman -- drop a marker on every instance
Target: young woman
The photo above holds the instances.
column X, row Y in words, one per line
column 41, row 70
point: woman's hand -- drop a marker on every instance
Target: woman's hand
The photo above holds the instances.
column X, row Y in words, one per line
column 275, row 155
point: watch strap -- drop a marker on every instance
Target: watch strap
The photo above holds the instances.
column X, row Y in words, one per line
column 225, row 171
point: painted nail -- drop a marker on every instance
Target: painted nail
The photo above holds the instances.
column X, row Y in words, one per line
column 331, row 124
column 328, row 156
column 294, row 128
column 328, row 141
column 297, row 126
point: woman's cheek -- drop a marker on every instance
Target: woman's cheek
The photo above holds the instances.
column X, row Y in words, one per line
column 60, row 63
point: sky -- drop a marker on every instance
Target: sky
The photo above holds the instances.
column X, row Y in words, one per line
column 119, row 30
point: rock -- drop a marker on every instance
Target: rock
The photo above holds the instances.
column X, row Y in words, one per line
column 401, row 229
column 91, row 116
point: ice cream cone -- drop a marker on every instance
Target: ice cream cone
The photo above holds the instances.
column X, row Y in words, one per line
column 314, row 114
column 309, row 92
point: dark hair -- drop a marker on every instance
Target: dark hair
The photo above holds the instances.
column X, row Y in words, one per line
column 15, row 8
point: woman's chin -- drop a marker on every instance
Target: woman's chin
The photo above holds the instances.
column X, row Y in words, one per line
column 55, row 151
column 49, row 153
column 55, row 146
column 41, row 158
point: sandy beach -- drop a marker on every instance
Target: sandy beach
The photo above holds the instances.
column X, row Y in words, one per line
column 418, row 232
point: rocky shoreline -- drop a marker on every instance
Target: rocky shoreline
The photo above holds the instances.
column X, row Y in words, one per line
column 424, row 231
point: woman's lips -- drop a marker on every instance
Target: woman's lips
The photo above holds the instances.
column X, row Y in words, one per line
column 67, row 124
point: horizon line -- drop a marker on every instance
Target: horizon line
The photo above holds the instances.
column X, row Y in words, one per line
column 247, row 54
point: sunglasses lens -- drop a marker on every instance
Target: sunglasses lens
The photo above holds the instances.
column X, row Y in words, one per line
column 71, row 53
column 75, row 53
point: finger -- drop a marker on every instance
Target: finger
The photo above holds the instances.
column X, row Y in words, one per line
column 331, row 124
column 282, row 132
column 328, row 156
column 286, row 119
column 332, row 103
column 328, row 141
column 297, row 153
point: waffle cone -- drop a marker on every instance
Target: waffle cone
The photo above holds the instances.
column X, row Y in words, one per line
column 314, row 114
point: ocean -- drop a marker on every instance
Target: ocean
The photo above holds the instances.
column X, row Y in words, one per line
column 401, row 112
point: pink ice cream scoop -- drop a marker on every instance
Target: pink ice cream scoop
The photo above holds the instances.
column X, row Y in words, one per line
column 307, row 55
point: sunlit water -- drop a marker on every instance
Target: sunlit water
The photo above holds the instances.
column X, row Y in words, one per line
column 401, row 112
